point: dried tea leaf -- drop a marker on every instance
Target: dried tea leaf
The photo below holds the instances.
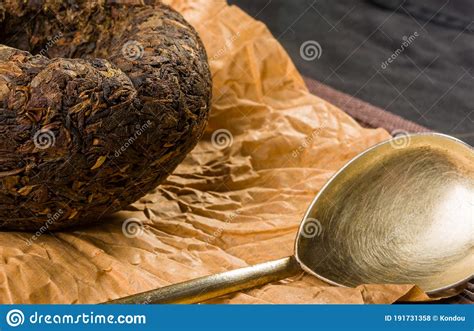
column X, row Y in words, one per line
column 25, row 190
column 126, row 83
column 99, row 162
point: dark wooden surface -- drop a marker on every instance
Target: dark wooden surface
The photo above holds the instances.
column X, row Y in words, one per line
column 430, row 82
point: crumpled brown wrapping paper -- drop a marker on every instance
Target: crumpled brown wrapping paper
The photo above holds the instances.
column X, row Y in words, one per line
column 224, row 207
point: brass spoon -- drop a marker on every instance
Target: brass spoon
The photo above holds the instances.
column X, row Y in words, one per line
column 401, row 212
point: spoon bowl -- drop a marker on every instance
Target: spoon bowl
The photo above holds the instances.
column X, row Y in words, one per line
column 399, row 213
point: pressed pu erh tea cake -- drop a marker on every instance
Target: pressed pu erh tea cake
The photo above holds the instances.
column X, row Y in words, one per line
column 99, row 102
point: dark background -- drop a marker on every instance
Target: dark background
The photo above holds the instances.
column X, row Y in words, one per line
column 431, row 82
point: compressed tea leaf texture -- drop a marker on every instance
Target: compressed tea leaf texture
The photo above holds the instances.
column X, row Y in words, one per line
column 99, row 102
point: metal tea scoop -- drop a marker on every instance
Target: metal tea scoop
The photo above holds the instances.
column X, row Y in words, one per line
column 401, row 212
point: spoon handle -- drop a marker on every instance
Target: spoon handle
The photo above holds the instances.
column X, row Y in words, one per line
column 213, row 286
